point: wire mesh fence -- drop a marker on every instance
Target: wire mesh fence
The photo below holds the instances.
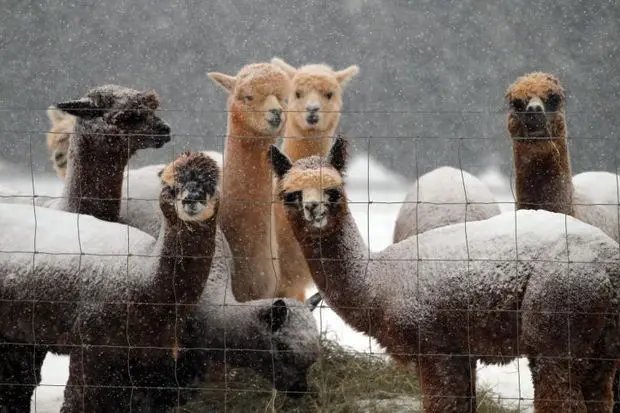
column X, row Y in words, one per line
column 146, row 330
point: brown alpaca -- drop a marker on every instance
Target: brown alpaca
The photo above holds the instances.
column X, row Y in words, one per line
column 256, row 115
column 540, row 148
column 113, row 123
column 139, row 327
column 61, row 128
column 314, row 109
column 440, row 301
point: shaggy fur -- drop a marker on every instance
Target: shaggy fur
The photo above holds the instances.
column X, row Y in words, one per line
column 61, row 129
column 82, row 273
column 440, row 301
column 443, row 197
column 543, row 176
column 256, row 115
column 113, row 123
column 314, row 109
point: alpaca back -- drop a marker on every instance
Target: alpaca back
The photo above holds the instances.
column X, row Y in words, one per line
column 597, row 202
column 441, row 198
column 60, row 259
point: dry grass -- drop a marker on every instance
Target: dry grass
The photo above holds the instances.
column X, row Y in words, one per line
column 340, row 382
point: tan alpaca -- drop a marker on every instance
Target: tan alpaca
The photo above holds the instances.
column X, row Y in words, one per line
column 256, row 116
column 443, row 300
column 61, row 128
column 314, row 107
column 543, row 179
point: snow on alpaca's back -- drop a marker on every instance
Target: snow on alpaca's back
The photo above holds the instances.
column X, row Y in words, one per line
column 464, row 258
column 55, row 255
column 442, row 197
column 27, row 229
column 596, row 199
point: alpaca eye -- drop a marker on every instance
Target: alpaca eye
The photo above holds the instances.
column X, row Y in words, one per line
column 249, row 98
column 298, row 94
column 333, row 195
column 553, row 102
column 518, row 105
column 329, row 95
column 292, row 198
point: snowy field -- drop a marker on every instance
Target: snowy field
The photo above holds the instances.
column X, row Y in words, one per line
column 511, row 383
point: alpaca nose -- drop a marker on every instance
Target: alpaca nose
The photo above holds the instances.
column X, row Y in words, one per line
column 312, row 108
column 276, row 117
column 311, row 207
column 535, row 105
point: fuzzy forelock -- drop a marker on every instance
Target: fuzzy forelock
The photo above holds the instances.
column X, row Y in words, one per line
column 534, row 84
column 311, row 173
column 197, row 160
column 109, row 96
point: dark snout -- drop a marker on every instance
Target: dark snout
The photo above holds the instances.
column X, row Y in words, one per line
column 161, row 134
column 312, row 116
column 275, row 118
column 194, row 194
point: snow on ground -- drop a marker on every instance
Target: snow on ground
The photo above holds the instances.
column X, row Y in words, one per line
column 374, row 204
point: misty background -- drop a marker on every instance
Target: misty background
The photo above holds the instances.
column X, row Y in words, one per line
column 430, row 91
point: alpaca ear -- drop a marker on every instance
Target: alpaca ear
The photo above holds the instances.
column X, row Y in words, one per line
column 314, row 301
column 280, row 163
column 345, row 75
column 276, row 315
column 337, row 156
column 55, row 115
column 288, row 69
column 82, row 108
column 224, row 80
column 149, row 99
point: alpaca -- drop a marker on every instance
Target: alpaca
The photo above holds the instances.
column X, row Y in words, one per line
column 83, row 274
column 113, row 122
column 543, row 179
column 442, row 197
column 537, row 126
column 442, row 300
column 314, row 109
column 61, row 128
column 279, row 339
column 256, row 115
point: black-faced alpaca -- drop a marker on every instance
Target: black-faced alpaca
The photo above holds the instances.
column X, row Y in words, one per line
column 113, row 122
column 67, row 300
column 442, row 300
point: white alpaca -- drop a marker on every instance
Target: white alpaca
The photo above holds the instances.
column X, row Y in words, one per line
column 442, row 197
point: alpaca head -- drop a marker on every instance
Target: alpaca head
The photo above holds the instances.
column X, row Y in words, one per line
column 190, row 187
column 312, row 188
column 316, row 95
column 61, row 128
column 292, row 338
column 118, row 120
column 257, row 97
column 536, row 102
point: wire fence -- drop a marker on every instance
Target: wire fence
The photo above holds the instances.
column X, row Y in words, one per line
column 439, row 304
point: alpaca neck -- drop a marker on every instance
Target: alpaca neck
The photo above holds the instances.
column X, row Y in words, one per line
column 94, row 179
column 339, row 266
column 543, row 177
column 301, row 143
column 185, row 251
column 246, row 212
